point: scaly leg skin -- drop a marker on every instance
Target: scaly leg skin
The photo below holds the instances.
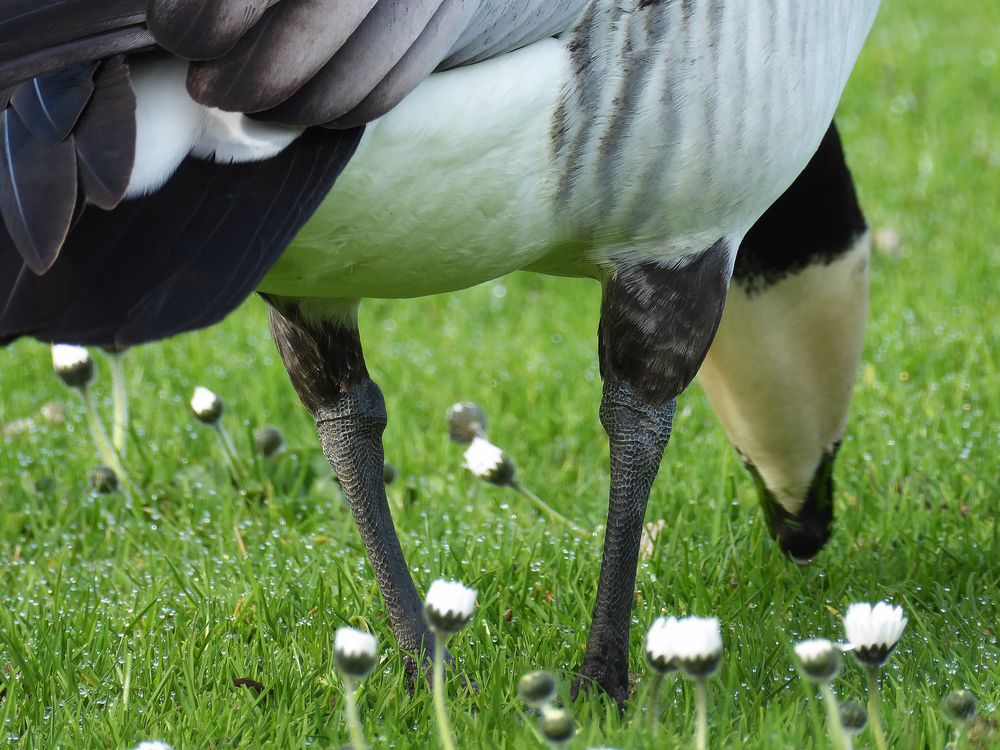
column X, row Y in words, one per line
column 327, row 368
column 657, row 323
column 782, row 367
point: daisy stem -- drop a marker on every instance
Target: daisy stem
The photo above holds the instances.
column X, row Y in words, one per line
column 875, row 708
column 701, row 707
column 654, row 700
column 229, row 448
column 838, row 736
column 100, row 437
column 961, row 732
column 351, row 716
column 548, row 510
column 119, row 394
column 440, row 709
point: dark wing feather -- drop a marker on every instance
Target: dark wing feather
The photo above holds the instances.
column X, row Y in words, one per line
column 179, row 259
column 199, row 30
column 37, row 191
column 50, row 105
column 421, row 58
column 27, row 26
column 357, row 68
column 286, row 48
column 105, row 137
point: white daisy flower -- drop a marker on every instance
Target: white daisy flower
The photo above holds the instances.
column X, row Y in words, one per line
column 354, row 651
column 72, row 364
column 660, row 642
column 449, row 605
column 206, row 406
column 488, row 462
column 820, row 659
column 697, row 645
column 153, row 745
column 873, row 631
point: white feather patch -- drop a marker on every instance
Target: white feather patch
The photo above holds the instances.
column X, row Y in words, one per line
column 170, row 126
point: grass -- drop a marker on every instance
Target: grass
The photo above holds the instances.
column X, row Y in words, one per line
column 122, row 623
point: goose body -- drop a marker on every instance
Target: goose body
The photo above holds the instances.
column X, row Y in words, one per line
column 687, row 130
column 162, row 159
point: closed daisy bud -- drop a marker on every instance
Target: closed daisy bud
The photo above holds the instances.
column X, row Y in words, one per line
column 104, row 480
column 873, row 632
column 73, row 365
column 853, row 717
column 466, row 421
column 660, row 645
column 388, row 473
column 821, row 660
column 537, row 689
column 697, row 646
column 557, row 725
column 960, row 707
column 449, row 606
column 268, row 441
column 207, row 407
column 354, row 652
column 489, row 463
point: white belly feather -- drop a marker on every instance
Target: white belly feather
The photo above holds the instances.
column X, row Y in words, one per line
column 450, row 189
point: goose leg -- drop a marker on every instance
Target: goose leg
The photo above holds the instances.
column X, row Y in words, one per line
column 657, row 323
column 781, row 370
column 327, row 368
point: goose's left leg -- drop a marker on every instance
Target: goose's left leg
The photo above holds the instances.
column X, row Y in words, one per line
column 657, row 322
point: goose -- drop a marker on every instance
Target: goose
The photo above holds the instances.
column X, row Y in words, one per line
column 158, row 157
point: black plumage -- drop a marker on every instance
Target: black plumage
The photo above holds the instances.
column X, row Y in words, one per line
column 196, row 30
column 105, row 137
column 49, row 106
column 37, row 191
column 178, row 259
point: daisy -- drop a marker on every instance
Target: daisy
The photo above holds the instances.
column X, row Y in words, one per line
column 873, row 631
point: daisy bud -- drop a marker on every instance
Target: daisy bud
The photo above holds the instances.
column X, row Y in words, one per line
column 354, row 652
column 465, row 422
column 268, row 441
column 853, row 717
column 537, row 689
column 104, row 480
column 660, row 645
column 820, row 659
column 557, row 725
column 388, row 473
column 73, row 365
column 207, row 407
column 697, row 646
column 489, row 463
column 449, row 606
column 873, row 632
column 960, row 707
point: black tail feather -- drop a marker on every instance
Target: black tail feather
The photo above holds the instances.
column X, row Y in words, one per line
column 176, row 260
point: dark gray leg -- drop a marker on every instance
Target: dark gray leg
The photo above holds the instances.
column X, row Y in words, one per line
column 327, row 368
column 656, row 326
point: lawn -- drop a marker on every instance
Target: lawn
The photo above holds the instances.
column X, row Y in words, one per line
column 125, row 621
